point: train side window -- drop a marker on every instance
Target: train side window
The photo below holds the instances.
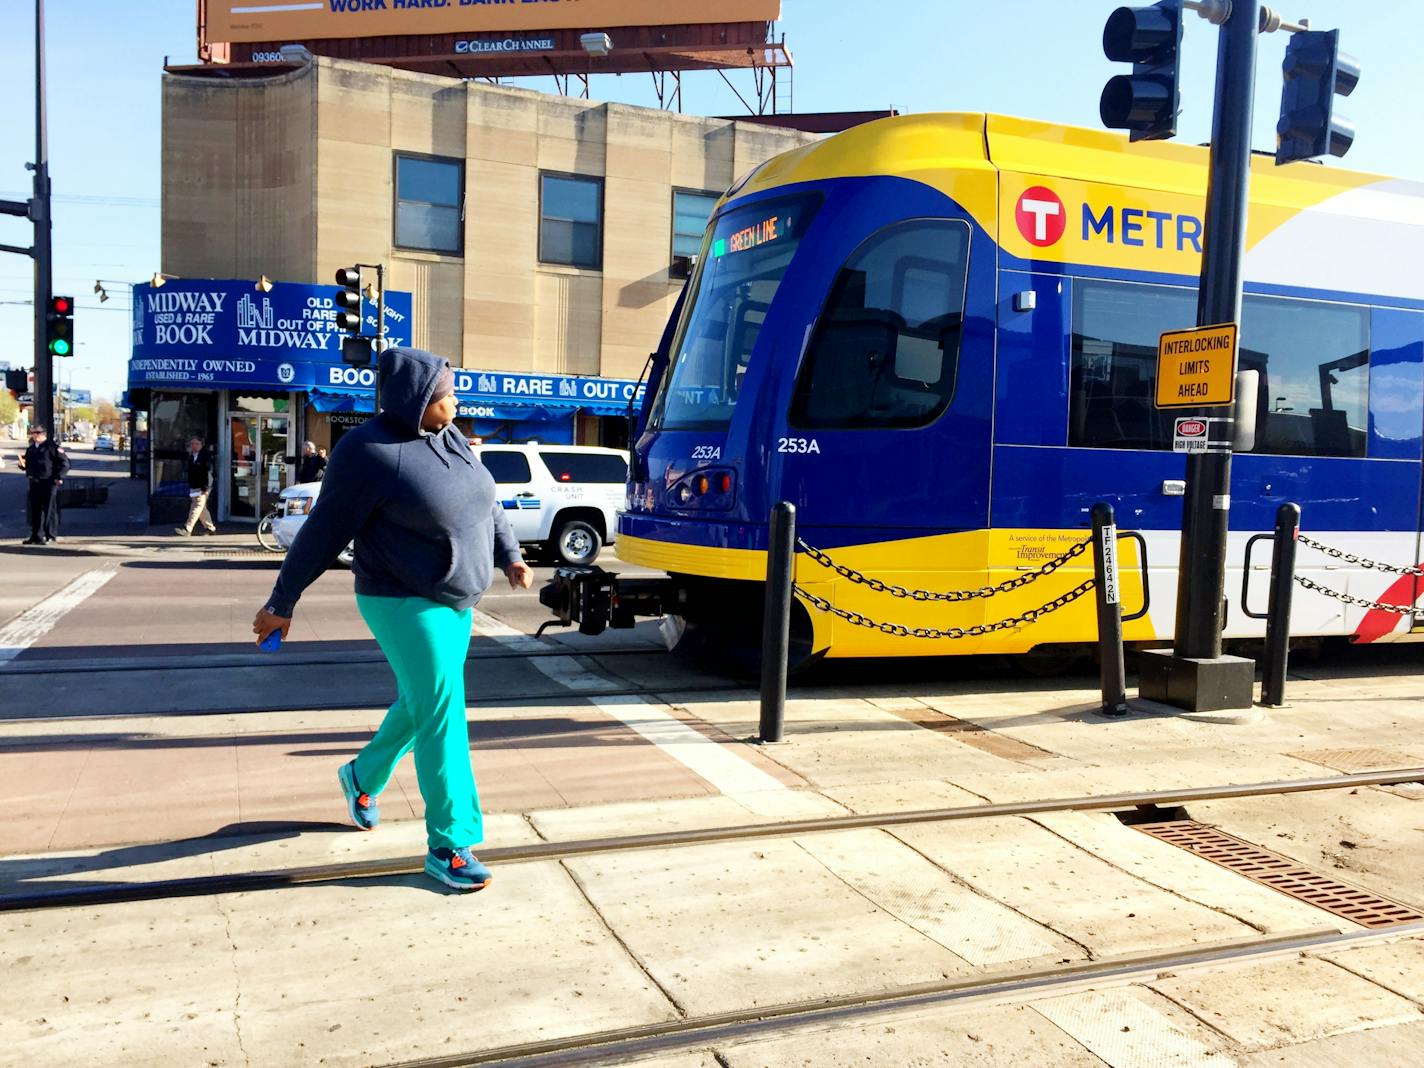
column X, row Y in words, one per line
column 1114, row 371
column 1314, row 362
column 886, row 349
column 1313, row 359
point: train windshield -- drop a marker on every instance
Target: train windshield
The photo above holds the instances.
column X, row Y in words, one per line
column 744, row 258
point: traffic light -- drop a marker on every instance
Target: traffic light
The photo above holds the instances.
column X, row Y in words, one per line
column 1144, row 102
column 59, row 326
column 1315, row 71
column 349, row 299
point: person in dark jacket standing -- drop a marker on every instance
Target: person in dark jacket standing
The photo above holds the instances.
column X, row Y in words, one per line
column 46, row 465
column 428, row 532
column 312, row 464
column 199, row 462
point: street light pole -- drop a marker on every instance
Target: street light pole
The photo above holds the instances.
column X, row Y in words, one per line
column 40, row 215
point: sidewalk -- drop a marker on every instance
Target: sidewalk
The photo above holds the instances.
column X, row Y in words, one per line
column 387, row 969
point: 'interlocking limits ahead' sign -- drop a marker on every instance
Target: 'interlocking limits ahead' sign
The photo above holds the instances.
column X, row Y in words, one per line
column 1197, row 368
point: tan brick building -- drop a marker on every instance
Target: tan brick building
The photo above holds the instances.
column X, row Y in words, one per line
column 535, row 232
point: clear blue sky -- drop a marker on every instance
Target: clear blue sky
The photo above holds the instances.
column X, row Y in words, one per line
column 1036, row 58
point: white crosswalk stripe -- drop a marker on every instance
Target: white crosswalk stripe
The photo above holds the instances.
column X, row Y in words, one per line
column 717, row 764
column 30, row 626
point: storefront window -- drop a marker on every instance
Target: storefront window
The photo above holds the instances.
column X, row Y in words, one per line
column 176, row 419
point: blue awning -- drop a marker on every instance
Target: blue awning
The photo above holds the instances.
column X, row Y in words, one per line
column 342, row 400
column 607, row 408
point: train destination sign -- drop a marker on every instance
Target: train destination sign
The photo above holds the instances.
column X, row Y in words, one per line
column 764, row 232
column 1197, row 368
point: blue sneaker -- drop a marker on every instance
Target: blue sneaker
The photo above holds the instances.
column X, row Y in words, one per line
column 364, row 812
column 457, row 868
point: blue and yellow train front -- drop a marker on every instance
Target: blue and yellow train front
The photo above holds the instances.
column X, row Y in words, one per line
column 835, row 348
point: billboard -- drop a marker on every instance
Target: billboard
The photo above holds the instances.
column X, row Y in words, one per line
column 234, row 21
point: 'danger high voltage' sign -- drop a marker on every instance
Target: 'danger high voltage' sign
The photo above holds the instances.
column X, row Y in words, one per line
column 235, row 21
column 1197, row 368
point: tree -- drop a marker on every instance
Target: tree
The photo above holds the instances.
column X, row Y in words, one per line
column 109, row 416
column 9, row 408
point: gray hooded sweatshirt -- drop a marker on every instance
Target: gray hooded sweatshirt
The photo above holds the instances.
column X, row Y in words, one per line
column 421, row 508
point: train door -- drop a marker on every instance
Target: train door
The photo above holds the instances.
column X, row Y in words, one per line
column 887, row 433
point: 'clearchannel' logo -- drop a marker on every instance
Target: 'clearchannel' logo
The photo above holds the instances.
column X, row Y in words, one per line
column 505, row 44
column 1042, row 219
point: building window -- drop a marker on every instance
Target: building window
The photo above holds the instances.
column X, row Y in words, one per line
column 1312, row 358
column 571, row 220
column 690, row 212
column 886, row 349
column 429, row 194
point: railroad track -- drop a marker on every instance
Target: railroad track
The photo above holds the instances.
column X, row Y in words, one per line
column 620, row 1046
column 60, row 896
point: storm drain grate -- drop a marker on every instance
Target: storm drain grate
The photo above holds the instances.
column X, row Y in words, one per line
column 1277, row 872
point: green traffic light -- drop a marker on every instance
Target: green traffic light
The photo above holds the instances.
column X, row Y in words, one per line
column 59, row 347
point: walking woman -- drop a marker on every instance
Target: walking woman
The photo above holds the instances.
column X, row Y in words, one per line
column 428, row 532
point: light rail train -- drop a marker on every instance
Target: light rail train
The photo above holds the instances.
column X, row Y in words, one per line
column 937, row 336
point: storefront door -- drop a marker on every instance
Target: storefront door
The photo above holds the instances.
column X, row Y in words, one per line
column 259, row 464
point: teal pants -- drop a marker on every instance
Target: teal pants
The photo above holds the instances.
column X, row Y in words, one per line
column 426, row 644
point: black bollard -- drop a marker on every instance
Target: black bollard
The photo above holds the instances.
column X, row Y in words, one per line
column 1273, row 685
column 776, row 625
column 1108, row 593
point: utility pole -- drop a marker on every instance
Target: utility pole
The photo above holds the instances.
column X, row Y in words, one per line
column 43, row 251
column 37, row 210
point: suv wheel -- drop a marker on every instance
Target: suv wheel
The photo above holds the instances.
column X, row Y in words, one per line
column 577, row 542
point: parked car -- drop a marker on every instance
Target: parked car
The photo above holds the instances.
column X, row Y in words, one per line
column 559, row 499
column 297, row 503
column 104, row 443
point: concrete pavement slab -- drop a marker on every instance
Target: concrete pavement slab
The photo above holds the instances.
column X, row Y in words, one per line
column 151, row 984
column 408, row 971
column 1383, row 1047
column 1296, row 1000
column 904, row 884
column 354, row 974
column 1080, row 897
column 1129, row 1027
column 1396, row 966
column 720, row 926
column 1005, row 1037
column 1186, row 874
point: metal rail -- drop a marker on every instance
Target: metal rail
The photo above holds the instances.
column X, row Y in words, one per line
column 62, row 666
column 307, row 705
column 620, row 1046
column 88, row 894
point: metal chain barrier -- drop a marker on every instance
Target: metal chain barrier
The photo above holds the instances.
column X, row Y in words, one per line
column 899, row 630
column 955, row 596
column 1360, row 602
column 1351, row 558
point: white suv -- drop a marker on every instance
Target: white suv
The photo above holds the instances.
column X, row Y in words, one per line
column 559, row 498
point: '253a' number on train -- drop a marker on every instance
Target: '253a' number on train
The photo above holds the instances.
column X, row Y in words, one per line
column 801, row 445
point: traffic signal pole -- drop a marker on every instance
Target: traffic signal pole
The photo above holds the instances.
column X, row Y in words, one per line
column 1207, row 506
column 40, row 215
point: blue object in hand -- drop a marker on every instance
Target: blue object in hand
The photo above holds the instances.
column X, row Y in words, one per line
column 272, row 642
